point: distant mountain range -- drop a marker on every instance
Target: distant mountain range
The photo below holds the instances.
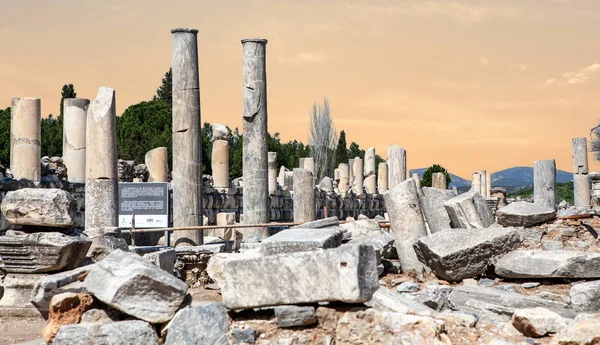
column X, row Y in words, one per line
column 511, row 177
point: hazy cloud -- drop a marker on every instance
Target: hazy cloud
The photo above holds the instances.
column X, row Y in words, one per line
column 304, row 58
column 583, row 75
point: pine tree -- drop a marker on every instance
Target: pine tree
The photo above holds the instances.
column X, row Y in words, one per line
column 165, row 90
column 426, row 179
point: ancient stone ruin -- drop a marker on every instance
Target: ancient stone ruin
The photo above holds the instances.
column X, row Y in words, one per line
column 366, row 256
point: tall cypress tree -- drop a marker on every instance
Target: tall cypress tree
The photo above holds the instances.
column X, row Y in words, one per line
column 341, row 151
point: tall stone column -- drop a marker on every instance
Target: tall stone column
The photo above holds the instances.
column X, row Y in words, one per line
column 488, row 187
column 382, row 178
column 476, row 183
column 544, row 183
column 220, row 156
column 483, row 183
column 396, row 165
column 439, row 181
column 187, row 139
column 357, row 184
column 581, row 179
column 101, row 179
column 370, row 178
column 272, row 163
column 25, row 138
column 305, row 207
column 74, row 122
column 350, row 173
column 344, row 183
column 157, row 162
column 255, row 162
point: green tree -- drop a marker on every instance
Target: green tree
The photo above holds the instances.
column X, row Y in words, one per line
column 143, row 127
column 426, row 180
column 355, row 151
column 68, row 91
column 341, row 151
column 206, row 148
column 236, row 143
column 5, row 137
column 52, row 127
column 165, row 90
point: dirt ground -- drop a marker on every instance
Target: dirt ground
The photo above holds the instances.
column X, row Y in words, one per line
column 17, row 330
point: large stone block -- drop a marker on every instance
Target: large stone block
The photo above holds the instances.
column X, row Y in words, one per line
column 407, row 223
column 347, row 274
column 40, row 207
column 15, row 298
column 117, row 333
column 136, row 287
column 495, row 306
column 204, row 324
column 586, row 296
column 51, row 285
column 522, row 213
column 469, row 210
column 432, row 203
column 65, row 309
column 301, row 240
column 42, row 252
column 456, row 254
column 549, row 264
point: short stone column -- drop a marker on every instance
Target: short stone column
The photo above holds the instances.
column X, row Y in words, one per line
column 157, row 162
column 396, row 165
column 220, row 156
column 370, row 178
column 26, row 138
column 305, row 207
column 581, row 179
column 382, row 178
column 74, row 121
column 344, row 183
column 476, row 182
column 544, row 183
column 439, row 180
column 187, row 139
column 357, row 184
column 272, row 163
column 101, row 179
column 255, row 160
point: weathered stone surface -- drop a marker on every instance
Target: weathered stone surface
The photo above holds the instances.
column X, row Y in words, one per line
column 434, row 296
column 582, row 331
column 396, row 165
column 246, row 335
column 136, row 287
column 164, row 259
column 294, row 316
column 537, row 322
column 99, row 316
column 469, row 210
column 220, row 159
column 456, row 254
column 319, row 223
column 382, row 178
column 74, row 123
column 495, row 306
column 544, row 183
column 382, row 242
column 344, row 183
column 157, row 161
column 187, row 147
column 214, row 269
column 25, row 129
column 522, row 213
column 65, row 309
column 304, row 196
column 116, row 333
column 272, row 164
column 40, row 207
column 407, row 224
column 302, row 240
column 586, row 296
column 255, row 148
column 357, row 182
column 101, row 161
column 385, row 299
column 204, row 324
column 360, row 228
column 346, row 273
column 581, row 179
column 435, row 213
column 451, row 317
column 438, row 180
column 408, row 287
column 48, row 286
column 549, row 264
column 104, row 242
column 15, row 297
column 42, row 252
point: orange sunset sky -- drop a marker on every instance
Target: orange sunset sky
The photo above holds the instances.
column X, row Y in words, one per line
column 467, row 84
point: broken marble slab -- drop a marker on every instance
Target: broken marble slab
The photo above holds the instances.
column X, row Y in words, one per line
column 548, row 264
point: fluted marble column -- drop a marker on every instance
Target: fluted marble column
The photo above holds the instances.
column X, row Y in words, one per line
column 254, row 118
column 25, row 138
column 187, row 139
column 101, row 180
column 74, row 124
column 157, row 162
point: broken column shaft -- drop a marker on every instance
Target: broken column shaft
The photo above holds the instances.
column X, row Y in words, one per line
column 101, row 161
column 581, row 179
column 220, row 156
column 25, row 138
column 157, row 162
column 370, row 178
column 544, row 183
column 396, row 165
column 74, row 123
column 382, row 178
column 255, row 157
column 304, row 196
column 187, row 141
